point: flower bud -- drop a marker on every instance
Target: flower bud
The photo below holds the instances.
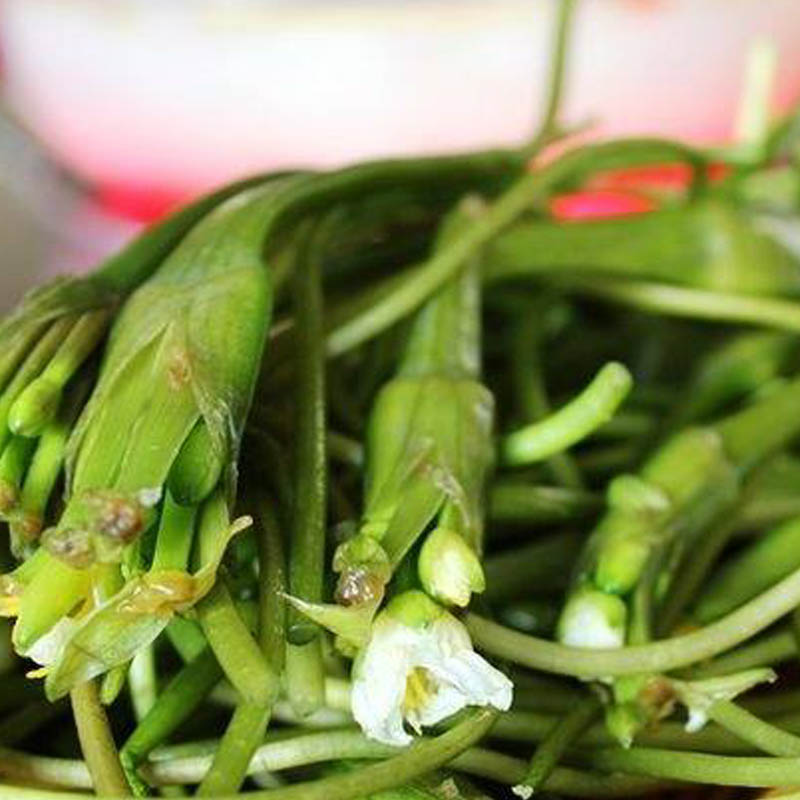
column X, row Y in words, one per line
column 449, row 568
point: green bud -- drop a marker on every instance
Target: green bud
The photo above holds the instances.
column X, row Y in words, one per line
column 197, row 468
column 29, row 369
column 449, row 568
column 592, row 618
column 13, row 464
column 38, row 404
column 35, row 407
column 52, row 593
column 413, row 609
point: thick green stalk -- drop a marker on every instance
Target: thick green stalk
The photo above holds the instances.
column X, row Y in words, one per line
column 237, row 652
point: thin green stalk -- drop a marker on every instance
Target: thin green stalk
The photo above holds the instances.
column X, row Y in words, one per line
column 534, row 727
column 768, row 650
column 563, row 781
column 680, row 301
column 186, row 636
column 97, row 742
column 345, row 449
column 528, row 504
column 748, row 727
column 418, row 759
column 177, row 702
column 531, row 393
column 549, row 127
column 692, row 574
column 771, row 557
column 381, row 307
column 659, row 656
column 561, row 736
column 593, row 407
column 249, row 722
column 307, row 549
column 34, row 363
column 23, row 722
column 739, row 771
column 536, row 568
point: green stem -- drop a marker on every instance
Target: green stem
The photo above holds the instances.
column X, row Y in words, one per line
column 563, row 781
column 678, row 301
column 418, row 759
column 770, row 558
column 249, row 722
column 177, row 702
column 143, row 682
column 554, row 745
column 659, row 656
column 536, row 568
column 593, row 407
column 549, row 126
column 34, row 363
column 307, row 550
column 97, row 742
column 692, row 574
column 528, row 504
column 237, row 652
column 767, row 650
column 399, row 296
column 175, row 535
column 749, row 728
column 699, row 767
column 531, row 398
column 305, row 677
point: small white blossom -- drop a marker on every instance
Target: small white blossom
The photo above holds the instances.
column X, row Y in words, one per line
column 419, row 667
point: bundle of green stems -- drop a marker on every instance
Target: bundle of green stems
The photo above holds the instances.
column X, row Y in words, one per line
column 385, row 482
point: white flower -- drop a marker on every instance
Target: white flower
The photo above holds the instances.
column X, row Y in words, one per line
column 419, row 666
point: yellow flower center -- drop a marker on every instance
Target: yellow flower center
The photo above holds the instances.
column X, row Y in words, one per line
column 419, row 688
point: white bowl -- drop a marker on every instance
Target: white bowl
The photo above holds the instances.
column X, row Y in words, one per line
column 179, row 95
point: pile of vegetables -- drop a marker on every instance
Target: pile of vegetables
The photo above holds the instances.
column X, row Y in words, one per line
column 390, row 482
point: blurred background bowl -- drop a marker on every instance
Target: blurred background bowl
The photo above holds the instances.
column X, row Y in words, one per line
column 151, row 102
